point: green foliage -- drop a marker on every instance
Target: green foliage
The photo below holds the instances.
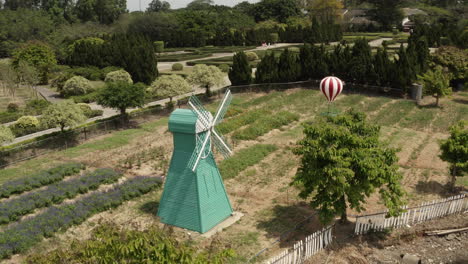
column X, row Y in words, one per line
column 63, row 114
column 251, row 56
column 91, row 73
column 387, row 13
column 119, row 76
column 455, row 150
column 206, row 76
column 76, row 85
column 59, row 81
column 88, row 112
column 5, row 134
column 25, row 125
column 224, row 67
column 267, row 69
column 436, row 83
column 239, row 121
column 159, row 46
column 38, row 55
column 177, row 67
column 342, row 163
column 455, row 59
column 12, row 107
column 265, row 124
column 288, row 67
column 158, row 6
column 241, row 72
column 85, row 51
column 110, row 244
column 122, row 95
column 243, row 159
column 169, row 86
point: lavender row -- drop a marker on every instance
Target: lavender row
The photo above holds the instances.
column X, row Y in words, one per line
column 39, row 179
column 13, row 209
column 27, row 233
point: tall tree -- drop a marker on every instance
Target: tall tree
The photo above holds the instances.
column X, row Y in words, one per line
column 436, row 83
column 279, row 10
column 158, row 6
column 206, row 77
column 387, row 12
column 342, row 163
column 455, row 150
column 122, row 95
column 63, row 114
column 267, row 69
column 288, row 67
column 327, row 11
column 360, row 66
column 38, row 55
column 240, row 72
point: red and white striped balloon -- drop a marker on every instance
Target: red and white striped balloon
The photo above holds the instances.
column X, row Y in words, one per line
column 331, row 87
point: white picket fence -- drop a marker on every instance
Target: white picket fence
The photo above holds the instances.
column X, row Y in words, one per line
column 304, row 249
column 424, row 212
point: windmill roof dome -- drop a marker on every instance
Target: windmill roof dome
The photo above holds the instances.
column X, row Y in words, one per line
column 183, row 121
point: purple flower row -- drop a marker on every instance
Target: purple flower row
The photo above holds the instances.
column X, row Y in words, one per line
column 22, row 236
column 11, row 210
column 39, row 179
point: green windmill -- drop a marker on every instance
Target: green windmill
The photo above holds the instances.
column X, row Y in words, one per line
column 194, row 196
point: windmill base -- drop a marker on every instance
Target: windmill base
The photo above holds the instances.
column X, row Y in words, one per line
column 235, row 216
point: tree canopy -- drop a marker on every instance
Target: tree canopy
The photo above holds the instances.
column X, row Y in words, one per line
column 38, row 55
column 206, row 77
column 170, row 86
column 240, row 72
column 122, row 95
column 63, row 114
column 342, row 163
column 455, row 150
column 436, row 83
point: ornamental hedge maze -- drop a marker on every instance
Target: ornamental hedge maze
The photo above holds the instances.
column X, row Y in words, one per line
column 48, row 189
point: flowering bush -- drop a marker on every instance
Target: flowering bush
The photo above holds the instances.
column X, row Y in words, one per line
column 119, row 76
column 76, row 86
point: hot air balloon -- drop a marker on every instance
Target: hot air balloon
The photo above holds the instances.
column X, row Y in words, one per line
column 331, row 87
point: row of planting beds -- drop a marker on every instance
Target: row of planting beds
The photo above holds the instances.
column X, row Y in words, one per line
column 27, row 233
column 39, row 179
column 11, row 210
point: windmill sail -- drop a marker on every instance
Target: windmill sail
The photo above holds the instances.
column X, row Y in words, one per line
column 207, row 123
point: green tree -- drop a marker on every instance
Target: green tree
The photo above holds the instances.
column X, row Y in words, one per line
column 436, row 83
column 63, row 114
column 240, row 72
column 76, row 85
column 25, row 125
column 206, row 77
column 387, row 12
column 342, row 163
column 327, row 11
column 288, row 67
column 118, row 76
column 267, row 69
column 38, row 55
column 5, row 135
column 360, row 66
column 169, row 86
column 158, row 6
column 279, row 10
column 455, row 150
column 159, row 46
column 122, row 95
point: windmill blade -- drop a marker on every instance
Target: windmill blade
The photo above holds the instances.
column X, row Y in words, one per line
column 221, row 144
column 199, row 150
column 223, row 107
column 204, row 115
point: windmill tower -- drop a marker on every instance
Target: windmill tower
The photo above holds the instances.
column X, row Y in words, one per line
column 194, row 196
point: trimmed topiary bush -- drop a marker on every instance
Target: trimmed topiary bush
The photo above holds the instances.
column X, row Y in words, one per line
column 85, row 108
column 224, row 67
column 12, row 107
column 25, row 125
column 251, row 56
column 119, row 76
column 77, row 86
column 177, row 67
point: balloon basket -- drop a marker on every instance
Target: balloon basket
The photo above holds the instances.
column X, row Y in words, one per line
column 331, row 111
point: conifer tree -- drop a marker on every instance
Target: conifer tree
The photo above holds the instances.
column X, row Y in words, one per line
column 307, row 61
column 240, row 72
column 267, row 69
column 288, row 68
column 360, row 66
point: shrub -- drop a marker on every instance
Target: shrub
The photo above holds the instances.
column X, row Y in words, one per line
column 119, row 76
column 90, row 73
column 63, row 114
column 243, row 159
column 59, row 81
column 108, row 69
column 25, row 125
column 36, row 107
column 86, row 98
column 12, row 209
column 251, row 56
column 5, row 134
column 158, row 46
column 6, row 117
column 76, row 86
column 29, row 232
column 39, row 179
column 177, row 67
column 265, row 124
column 224, row 67
column 13, row 107
column 88, row 112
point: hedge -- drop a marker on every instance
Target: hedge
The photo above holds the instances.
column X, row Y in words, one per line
column 27, row 233
column 39, row 179
column 265, row 124
column 244, row 158
column 11, row 210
